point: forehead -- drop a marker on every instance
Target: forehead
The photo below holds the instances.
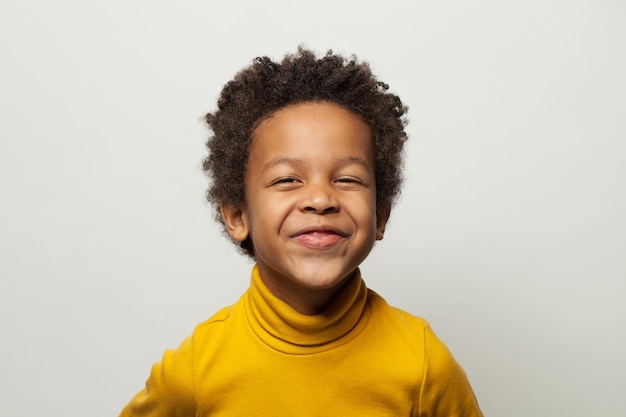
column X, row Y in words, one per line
column 308, row 108
column 310, row 126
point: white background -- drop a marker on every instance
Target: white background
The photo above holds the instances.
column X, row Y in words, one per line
column 509, row 238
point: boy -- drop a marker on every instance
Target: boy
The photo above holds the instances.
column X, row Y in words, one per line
column 305, row 162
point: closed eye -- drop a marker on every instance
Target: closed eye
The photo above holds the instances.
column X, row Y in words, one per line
column 350, row 180
column 285, row 181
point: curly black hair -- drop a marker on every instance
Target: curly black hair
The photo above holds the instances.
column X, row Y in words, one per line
column 264, row 87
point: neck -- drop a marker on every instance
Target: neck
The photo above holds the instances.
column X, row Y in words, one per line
column 308, row 301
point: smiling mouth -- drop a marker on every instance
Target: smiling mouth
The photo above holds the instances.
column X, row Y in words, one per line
column 318, row 239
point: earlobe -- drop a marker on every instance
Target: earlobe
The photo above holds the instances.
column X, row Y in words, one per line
column 382, row 216
column 236, row 222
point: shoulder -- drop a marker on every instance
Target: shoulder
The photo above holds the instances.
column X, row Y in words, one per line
column 433, row 354
column 171, row 388
column 404, row 331
column 380, row 308
column 445, row 389
column 219, row 317
column 181, row 363
column 212, row 329
column 417, row 328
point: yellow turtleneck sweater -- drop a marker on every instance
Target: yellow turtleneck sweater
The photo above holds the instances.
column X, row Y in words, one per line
column 260, row 357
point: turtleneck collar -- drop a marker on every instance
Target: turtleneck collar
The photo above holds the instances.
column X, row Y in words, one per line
column 283, row 328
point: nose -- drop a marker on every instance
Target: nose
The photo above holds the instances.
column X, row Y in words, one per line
column 319, row 198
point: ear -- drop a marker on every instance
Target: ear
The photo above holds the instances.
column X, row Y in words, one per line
column 236, row 222
column 382, row 215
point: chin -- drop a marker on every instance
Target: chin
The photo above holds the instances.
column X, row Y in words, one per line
column 322, row 281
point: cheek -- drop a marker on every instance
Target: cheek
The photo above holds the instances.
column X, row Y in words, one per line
column 363, row 210
column 265, row 217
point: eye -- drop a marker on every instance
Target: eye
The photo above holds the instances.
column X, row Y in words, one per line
column 285, row 182
column 350, row 180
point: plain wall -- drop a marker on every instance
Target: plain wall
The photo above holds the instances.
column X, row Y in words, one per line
column 510, row 235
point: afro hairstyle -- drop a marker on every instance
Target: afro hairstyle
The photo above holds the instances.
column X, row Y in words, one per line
column 266, row 86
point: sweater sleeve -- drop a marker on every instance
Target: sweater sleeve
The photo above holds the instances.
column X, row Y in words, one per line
column 170, row 389
column 445, row 388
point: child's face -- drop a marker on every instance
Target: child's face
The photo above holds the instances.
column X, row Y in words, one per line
column 311, row 201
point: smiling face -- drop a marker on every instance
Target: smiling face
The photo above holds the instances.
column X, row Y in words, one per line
column 310, row 202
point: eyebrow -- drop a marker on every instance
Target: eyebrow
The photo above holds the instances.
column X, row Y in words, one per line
column 294, row 161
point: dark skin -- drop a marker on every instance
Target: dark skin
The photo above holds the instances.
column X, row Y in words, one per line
column 264, row 88
column 310, row 202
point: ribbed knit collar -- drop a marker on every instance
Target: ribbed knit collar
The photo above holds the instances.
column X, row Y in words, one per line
column 283, row 328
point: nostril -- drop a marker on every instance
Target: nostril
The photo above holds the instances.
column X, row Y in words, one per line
column 328, row 209
column 318, row 200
